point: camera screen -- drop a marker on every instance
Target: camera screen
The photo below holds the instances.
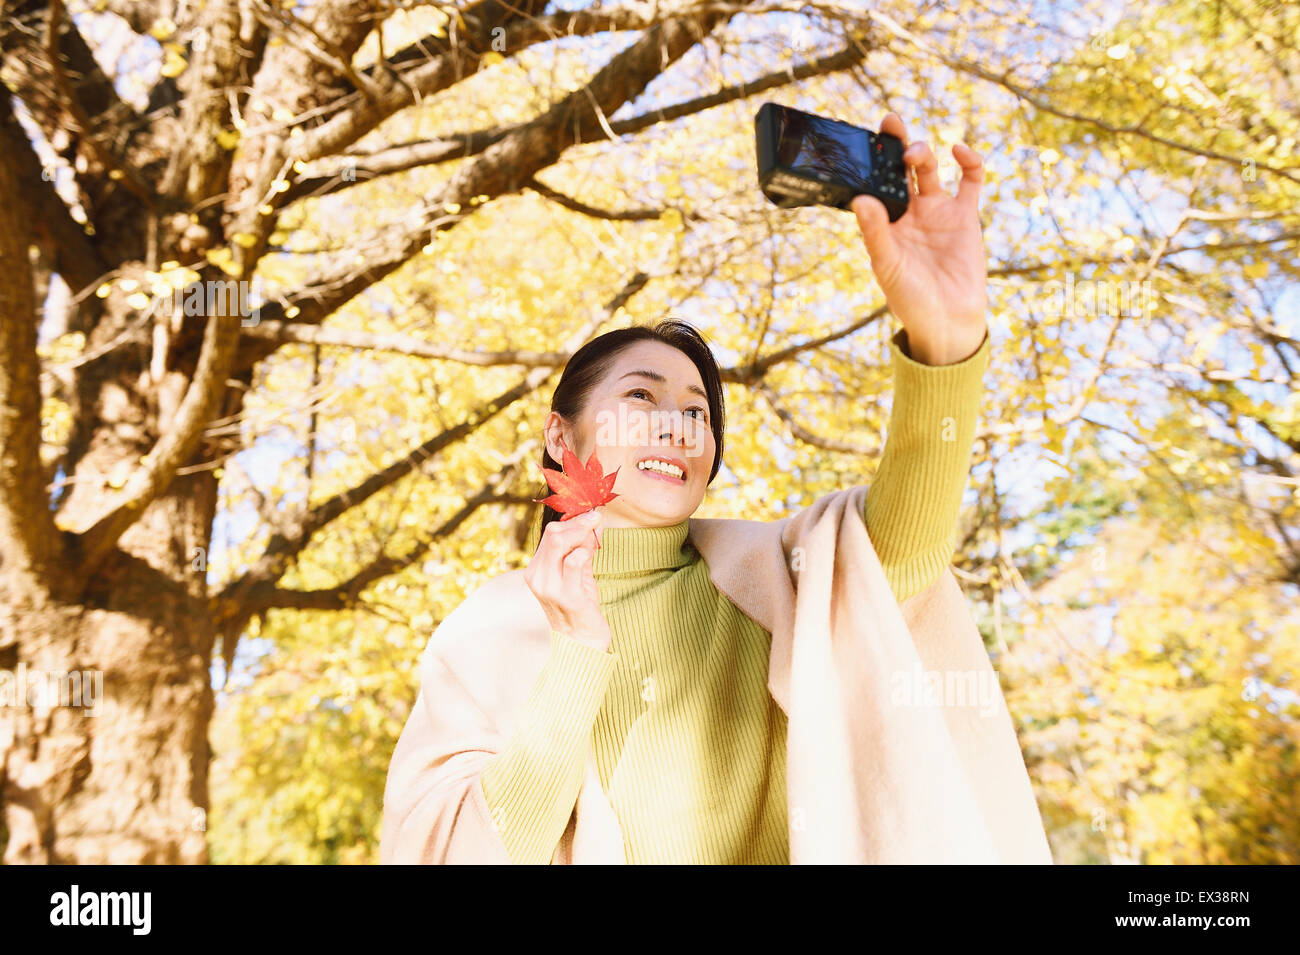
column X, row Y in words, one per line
column 824, row 149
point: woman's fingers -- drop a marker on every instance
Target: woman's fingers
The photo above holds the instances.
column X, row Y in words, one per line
column 922, row 158
column 572, row 537
column 560, row 575
column 873, row 220
column 576, row 558
column 577, row 561
column 893, row 125
column 972, row 173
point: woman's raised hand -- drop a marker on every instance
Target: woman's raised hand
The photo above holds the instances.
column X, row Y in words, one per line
column 931, row 262
column 560, row 576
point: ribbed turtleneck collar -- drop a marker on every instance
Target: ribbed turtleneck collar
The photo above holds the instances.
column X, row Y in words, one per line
column 632, row 550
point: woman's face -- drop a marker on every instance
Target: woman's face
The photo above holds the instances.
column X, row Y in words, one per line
column 633, row 417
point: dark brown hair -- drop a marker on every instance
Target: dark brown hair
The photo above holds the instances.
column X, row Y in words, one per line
column 590, row 363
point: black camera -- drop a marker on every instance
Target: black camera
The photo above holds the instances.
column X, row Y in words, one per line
column 806, row 160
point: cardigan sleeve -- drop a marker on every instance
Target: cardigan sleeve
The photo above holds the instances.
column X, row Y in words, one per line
column 435, row 806
column 531, row 786
column 912, row 505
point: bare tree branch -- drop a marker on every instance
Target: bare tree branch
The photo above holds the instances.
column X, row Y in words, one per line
column 310, row 40
column 284, row 546
column 74, row 104
column 808, row 437
column 348, row 21
column 284, row 332
column 253, row 199
column 503, row 168
column 28, row 536
column 831, row 63
column 457, row 59
column 1027, row 94
column 81, row 122
column 199, row 171
column 272, row 333
column 1067, row 261
column 522, row 29
column 75, row 255
column 624, row 215
column 266, row 596
column 399, row 158
column 202, row 401
column 755, row 370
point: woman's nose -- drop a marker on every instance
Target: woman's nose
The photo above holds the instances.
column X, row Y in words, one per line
column 675, row 429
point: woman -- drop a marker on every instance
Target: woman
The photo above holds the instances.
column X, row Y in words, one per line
column 654, row 678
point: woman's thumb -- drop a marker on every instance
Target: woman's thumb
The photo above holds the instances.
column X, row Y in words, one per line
column 874, row 222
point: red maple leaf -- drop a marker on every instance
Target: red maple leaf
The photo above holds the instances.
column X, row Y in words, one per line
column 578, row 488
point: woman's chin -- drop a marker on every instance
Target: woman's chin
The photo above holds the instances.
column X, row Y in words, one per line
column 657, row 517
column 670, row 515
column 656, row 509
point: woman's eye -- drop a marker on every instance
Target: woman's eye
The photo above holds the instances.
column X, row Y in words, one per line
column 700, row 413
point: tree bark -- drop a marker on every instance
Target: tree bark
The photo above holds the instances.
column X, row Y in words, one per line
column 128, row 785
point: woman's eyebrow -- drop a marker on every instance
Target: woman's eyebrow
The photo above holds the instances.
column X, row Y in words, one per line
column 655, row 376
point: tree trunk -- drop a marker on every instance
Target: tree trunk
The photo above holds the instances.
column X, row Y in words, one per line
column 130, row 783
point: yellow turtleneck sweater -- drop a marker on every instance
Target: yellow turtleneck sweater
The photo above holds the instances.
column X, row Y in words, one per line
column 689, row 744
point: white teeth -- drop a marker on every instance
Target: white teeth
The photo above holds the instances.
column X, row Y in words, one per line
column 660, row 466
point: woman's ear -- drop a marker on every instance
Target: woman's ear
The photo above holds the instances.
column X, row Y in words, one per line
column 555, row 433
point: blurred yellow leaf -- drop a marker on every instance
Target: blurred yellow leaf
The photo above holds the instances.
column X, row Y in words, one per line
column 162, row 28
column 173, row 64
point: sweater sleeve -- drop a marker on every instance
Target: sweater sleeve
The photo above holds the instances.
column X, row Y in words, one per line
column 531, row 786
column 912, row 505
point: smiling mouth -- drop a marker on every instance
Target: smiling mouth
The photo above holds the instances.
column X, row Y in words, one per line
column 661, row 470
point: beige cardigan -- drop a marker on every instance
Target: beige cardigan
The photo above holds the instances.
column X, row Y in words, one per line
column 873, row 774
